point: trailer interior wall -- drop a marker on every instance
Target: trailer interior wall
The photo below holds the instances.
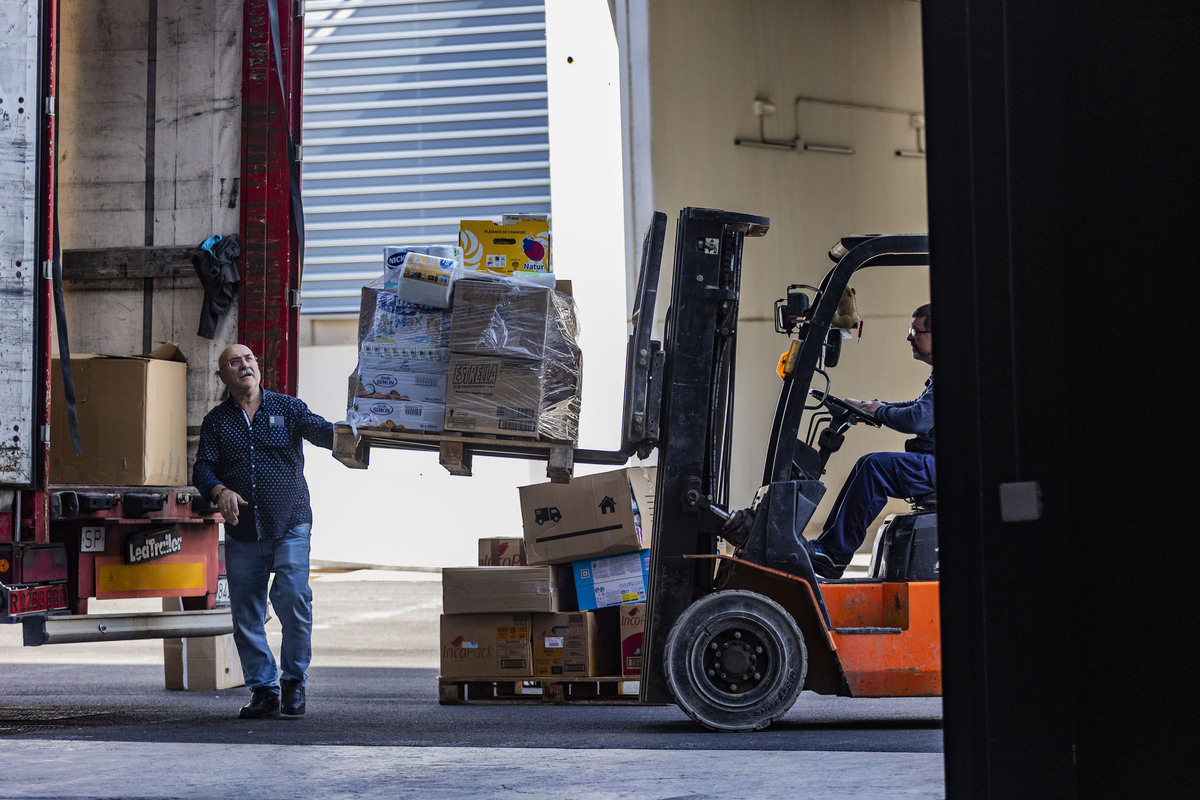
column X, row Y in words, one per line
column 149, row 117
column 709, row 60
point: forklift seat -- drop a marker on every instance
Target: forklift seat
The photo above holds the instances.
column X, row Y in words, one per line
column 924, row 502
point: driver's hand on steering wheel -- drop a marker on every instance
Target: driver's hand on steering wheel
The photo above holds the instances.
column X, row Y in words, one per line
column 868, row 407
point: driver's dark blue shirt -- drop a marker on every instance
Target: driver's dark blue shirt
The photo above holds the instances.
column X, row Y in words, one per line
column 263, row 461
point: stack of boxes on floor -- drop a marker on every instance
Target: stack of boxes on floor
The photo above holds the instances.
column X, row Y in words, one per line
column 568, row 599
column 474, row 339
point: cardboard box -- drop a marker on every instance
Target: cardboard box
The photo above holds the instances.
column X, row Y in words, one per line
column 401, row 385
column 493, row 395
column 367, row 413
column 632, row 635
column 385, row 318
column 488, row 246
column 420, row 277
column 509, row 319
column 612, row 580
column 513, row 590
column 502, row 551
column 582, row 644
column 403, row 358
column 590, row 516
column 513, row 397
column 202, row 663
column 132, row 415
column 486, row 646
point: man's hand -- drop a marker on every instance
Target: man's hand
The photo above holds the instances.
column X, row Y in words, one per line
column 229, row 502
column 866, row 406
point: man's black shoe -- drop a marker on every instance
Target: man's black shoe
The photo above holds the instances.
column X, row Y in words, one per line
column 264, row 703
column 293, row 698
column 822, row 563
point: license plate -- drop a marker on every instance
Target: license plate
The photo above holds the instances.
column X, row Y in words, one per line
column 222, row 592
column 35, row 599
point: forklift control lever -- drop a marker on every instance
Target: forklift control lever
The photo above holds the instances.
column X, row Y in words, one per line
column 736, row 525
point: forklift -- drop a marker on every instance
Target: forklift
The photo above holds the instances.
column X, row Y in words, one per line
column 735, row 632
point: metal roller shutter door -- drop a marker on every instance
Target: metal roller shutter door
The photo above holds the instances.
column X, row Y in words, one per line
column 416, row 115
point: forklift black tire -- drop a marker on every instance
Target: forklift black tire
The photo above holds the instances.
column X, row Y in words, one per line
column 735, row 661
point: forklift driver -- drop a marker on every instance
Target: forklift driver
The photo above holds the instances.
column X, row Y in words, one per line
column 878, row 476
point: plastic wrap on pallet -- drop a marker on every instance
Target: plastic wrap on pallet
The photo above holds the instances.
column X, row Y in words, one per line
column 422, row 275
column 386, row 319
column 518, row 397
column 399, row 381
column 510, row 318
column 366, row 412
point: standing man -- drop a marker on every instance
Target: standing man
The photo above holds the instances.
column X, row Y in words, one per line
column 878, row 476
column 251, row 463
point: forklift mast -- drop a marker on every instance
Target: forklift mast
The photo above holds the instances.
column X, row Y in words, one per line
column 697, row 412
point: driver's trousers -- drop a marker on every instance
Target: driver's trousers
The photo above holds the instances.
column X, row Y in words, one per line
column 875, row 478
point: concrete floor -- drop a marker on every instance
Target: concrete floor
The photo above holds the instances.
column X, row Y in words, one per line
column 94, row 721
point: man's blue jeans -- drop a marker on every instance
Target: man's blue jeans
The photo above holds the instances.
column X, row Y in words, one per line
column 875, row 478
column 248, row 566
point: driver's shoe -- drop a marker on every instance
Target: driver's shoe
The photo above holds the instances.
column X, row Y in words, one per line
column 823, row 563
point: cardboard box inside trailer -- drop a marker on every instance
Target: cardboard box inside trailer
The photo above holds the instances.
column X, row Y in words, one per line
column 132, row 414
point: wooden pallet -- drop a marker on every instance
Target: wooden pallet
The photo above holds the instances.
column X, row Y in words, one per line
column 558, row 690
column 455, row 450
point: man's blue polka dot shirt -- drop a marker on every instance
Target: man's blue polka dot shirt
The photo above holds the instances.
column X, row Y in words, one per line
column 262, row 460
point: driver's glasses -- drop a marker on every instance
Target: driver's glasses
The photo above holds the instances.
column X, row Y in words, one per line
column 237, row 362
column 914, row 333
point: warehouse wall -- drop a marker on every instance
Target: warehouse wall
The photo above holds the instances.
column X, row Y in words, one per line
column 709, row 61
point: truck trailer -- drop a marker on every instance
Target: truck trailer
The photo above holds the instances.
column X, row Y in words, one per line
column 132, row 133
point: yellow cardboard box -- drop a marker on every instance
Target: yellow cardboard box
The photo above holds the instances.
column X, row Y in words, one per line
column 503, row 249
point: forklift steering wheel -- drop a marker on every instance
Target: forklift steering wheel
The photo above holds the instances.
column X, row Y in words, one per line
column 854, row 414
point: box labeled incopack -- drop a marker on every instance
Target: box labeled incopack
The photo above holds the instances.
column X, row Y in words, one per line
column 489, row 246
column 201, row 663
column 502, row 551
column 486, row 646
column 632, row 618
column 612, row 580
column 595, row 515
column 579, row 644
column 132, row 414
column 474, row 590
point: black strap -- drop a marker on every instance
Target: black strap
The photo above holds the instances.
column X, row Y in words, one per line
column 64, row 349
column 293, row 161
